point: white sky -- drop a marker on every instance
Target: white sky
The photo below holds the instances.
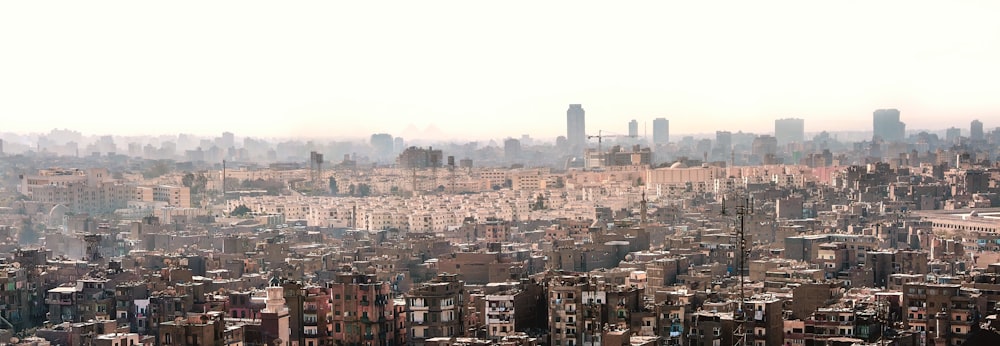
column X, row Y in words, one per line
column 492, row 69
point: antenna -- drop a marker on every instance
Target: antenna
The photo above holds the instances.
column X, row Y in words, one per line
column 740, row 316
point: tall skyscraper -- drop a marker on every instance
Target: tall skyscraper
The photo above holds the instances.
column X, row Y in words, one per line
column 952, row 135
column 382, row 144
column 633, row 128
column 576, row 129
column 724, row 141
column 791, row 130
column 886, row 125
column 976, row 130
column 661, row 131
column 511, row 150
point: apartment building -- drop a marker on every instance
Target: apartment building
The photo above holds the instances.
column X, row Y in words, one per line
column 435, row 309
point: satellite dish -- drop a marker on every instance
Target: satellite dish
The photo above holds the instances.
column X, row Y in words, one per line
column 16, row 264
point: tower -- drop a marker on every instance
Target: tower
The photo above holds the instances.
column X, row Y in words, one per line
column 790, row 130
column 976, row 130
column 275, row 315
column 886, row 125
column 661, row 131
column 633, row 128
column 576, row 130
column 512, row 150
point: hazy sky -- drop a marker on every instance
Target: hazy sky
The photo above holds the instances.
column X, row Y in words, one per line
column 492, row 69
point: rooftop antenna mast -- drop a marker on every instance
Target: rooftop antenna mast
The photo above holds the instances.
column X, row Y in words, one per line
column 740, row 316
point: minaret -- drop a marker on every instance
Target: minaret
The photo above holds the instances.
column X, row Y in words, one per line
column 274, row 316
column 275, row 297
column 642, row 210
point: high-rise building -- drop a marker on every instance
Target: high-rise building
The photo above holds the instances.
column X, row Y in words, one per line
column 790, row 130
column 511, row 150
column 661, row 131
column 576, row 129
column 764, row 145
column 633, row 128
column 382, row 147
column 952, row 135
column 724, row 141
column 976, row 131
column 886, row 125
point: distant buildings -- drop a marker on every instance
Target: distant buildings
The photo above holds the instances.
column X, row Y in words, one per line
column 952, row 135
column 511, row 150
column 633, row 128
column 886, row 125
column 661, row 131
column 764, row 148
column 382, row 146
column 414, row 157
column 576, row 129
column 790, row 130
column 976, row 131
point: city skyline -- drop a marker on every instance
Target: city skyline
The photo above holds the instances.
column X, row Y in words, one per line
column 314, row 69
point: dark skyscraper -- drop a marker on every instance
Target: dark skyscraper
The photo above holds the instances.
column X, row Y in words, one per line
column 576, row 129
column 789, row 130
column 976, row 130
column 886, row 125
column 633, row 128
column 661, row 131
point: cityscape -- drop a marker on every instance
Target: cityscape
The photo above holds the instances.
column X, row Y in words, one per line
column 459, row 173
column 594, row 238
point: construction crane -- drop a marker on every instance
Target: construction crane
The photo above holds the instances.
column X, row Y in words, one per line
column 600, row 138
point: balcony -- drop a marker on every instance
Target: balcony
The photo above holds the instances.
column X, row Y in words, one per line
column 59, row 301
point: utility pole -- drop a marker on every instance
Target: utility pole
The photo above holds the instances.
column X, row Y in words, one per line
column 224, row 199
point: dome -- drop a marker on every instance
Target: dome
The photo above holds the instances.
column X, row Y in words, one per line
column 678, row 164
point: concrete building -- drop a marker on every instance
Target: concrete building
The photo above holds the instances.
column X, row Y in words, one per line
column 976, row 131
column 661, row 131
column 886, row 125
column 435, row 309
column 195, row 329
column 946, row 312
column 382, row 147
column 633, row 128
column 82, row 191
column 790, row 130
column 576, row 129
column 511, row 150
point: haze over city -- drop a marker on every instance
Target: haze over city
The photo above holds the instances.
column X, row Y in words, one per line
column 455, row 173
column 318, row 69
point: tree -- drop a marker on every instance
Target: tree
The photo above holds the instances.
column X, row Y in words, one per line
column 333, row 186
column 539, row 203
column 188, row 180
column 364, row 190
column 241, row 210
column 159, row 168
column 560, row 183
